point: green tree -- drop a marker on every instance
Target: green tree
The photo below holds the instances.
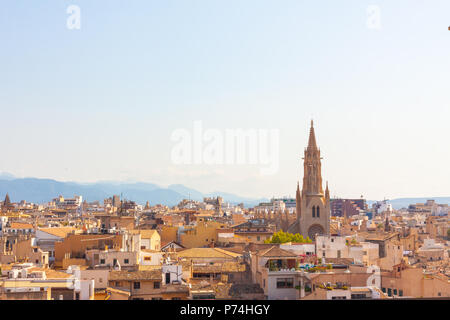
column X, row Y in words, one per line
column 283, row 237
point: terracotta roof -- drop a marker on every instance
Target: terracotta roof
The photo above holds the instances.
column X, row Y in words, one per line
column 58, row 232
column 166, row 243
column 231, row 266
column 207, row 253
column 19, row 225
column 239, row 289
column 136, row 275
column 346, row 261
column 275, row 251
column 148, row 268
column 147, row 234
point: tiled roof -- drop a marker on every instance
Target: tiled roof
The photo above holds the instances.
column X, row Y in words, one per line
column 147, row 234
column 207, row 253
column 19, row 225
column 136, row 275
column 275, row 251
column 219, row 267
column 58, row 232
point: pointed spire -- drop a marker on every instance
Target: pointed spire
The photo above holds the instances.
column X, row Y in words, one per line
column 7, row 201
column 312, row 145
column 387, row 227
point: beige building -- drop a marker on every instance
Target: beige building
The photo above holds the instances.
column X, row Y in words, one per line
column 150, row 239
column 405, row 281
column 203, row 234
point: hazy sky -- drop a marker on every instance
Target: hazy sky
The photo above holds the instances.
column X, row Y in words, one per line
column 102, row 102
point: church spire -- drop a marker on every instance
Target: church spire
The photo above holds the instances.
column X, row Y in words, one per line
column 312, row 179
column 7, row 202
column 312, row 145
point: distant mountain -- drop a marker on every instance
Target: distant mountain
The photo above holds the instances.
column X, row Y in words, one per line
column 188, row 193
column 6, row 176
column 44, row 190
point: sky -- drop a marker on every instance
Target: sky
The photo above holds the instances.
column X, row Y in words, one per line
column 103, row 102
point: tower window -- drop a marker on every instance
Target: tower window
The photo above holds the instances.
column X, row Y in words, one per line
column 314, row 211
column 318, row 212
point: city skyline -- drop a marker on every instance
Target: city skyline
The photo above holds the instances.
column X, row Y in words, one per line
column 231, row 157
column 94, row 110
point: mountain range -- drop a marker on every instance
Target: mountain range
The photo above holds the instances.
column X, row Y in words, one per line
column 44, row 190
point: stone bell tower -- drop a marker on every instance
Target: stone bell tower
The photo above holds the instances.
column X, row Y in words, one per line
column 313, row 204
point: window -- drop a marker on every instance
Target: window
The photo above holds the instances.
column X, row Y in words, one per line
column 395, row 292
column 285, row 283
column 147, row 258
column 400, row 293
column 358, row 296
column 102, row 261
column 167, row 277
column 314, row 211
column 383, row 289
column 77, row 296
column 258, row 238
column 126, row 261
column 318, row 212
column 136, row 285
column 156, row 285
column 389, row 292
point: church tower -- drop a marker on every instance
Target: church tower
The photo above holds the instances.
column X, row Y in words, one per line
column 313, row 204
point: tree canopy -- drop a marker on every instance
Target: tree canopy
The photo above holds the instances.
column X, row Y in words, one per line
column 283, row 237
